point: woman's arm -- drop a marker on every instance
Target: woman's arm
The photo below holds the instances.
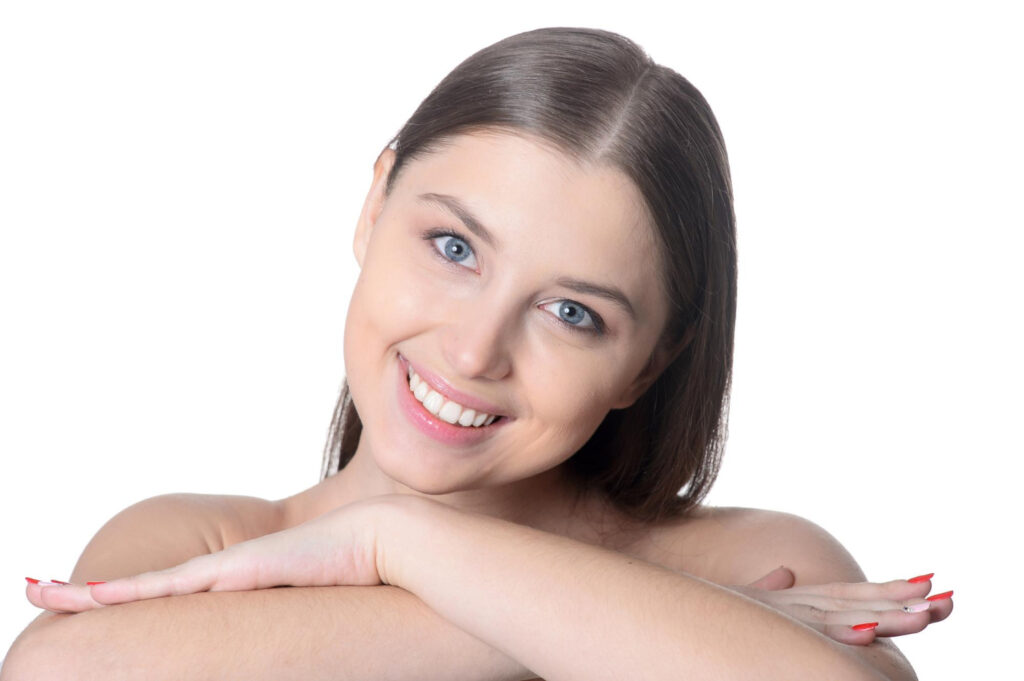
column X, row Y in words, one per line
column 569, row 609
column 573, row 611
column 307, row 634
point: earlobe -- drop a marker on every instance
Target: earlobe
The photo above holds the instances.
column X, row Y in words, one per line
column 374, row 203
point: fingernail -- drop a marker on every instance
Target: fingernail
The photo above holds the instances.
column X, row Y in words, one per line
column 57, row 581
column 916, row 607
column 921, row 578
column 94, row 583
column 941, row 596
column 31, row 580
column 864, row 627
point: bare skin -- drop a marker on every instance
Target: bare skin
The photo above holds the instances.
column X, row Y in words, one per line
column 723, row 545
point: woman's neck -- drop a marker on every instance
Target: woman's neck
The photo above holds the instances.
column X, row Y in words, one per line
column 547, row 501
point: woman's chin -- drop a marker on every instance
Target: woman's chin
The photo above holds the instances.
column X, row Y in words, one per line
column 426, row 479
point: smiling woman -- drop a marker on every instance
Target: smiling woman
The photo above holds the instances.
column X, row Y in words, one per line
column 538, row 354
column 484, row 316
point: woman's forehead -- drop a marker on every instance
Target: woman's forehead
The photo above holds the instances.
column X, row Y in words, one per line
column 523, row 182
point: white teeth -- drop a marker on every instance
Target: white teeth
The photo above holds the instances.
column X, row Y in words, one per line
column 421, row 390
column 433, row 402
column 450, row 412
column 447, row 410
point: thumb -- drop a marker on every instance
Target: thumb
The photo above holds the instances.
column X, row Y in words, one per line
column 779, row 578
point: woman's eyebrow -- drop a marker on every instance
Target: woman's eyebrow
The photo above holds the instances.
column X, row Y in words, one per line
column 455, row 207
column 608, row 292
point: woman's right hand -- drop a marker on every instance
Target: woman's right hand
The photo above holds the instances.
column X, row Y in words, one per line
column 834, row 609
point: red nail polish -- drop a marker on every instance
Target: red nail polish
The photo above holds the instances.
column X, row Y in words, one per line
column 921, row 578
column 864, row 627
column 57, row 581
column 94, row 583
column 941, row 596
column 30, row 580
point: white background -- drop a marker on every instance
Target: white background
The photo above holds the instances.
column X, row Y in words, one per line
column 179, row 183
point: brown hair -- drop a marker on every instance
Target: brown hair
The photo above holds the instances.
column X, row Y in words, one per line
column 599, row 97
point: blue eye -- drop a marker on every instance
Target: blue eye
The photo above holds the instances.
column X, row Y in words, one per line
column 575, row 316
column 454, row 248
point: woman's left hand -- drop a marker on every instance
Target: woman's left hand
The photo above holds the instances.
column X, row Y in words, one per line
column 337, row 548
column 897, row 608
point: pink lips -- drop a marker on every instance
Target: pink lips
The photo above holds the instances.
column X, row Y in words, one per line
column 434, row 427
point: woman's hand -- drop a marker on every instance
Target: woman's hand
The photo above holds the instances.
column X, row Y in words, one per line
column 833, row 609
column 337, row 548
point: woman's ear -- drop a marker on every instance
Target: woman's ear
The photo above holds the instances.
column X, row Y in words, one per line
column 374, row 203
column 661, row 357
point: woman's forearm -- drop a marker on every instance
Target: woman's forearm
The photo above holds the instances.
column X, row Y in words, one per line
column 569, row 610
column 369, row 633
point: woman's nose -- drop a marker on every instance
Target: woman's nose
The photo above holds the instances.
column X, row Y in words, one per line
column 478, row 345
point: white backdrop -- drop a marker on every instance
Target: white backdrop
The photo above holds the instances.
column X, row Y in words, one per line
column 179, row 183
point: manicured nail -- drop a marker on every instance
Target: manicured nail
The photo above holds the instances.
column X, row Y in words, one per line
column 916, row 607
column 94, row 583
column 941, row 596
column 57, row 581
column 864, row 627
column 30, row 580
column 921, row 578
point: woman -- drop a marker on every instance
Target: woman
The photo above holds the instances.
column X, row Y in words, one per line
column 538, row 353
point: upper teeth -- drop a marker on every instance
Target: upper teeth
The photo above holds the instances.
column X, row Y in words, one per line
column 445, row 409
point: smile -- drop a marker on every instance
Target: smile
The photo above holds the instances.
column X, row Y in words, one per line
column 445, row 409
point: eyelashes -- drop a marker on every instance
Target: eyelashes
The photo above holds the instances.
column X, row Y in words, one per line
column 456, row 251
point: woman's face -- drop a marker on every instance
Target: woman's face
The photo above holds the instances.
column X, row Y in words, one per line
column 513, row 282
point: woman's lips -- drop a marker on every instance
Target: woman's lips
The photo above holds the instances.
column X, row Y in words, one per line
column 444, row 389
column 431, row 425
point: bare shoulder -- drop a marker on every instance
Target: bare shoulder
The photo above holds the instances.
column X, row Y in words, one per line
column 170, row 528
column 735, row 545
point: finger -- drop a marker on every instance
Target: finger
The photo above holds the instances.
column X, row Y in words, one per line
column 839, row 604
column 69, row 598
column 941, row 607
column 838, row 624
column 195, row 575
column 779, row 578
column 896, row 590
